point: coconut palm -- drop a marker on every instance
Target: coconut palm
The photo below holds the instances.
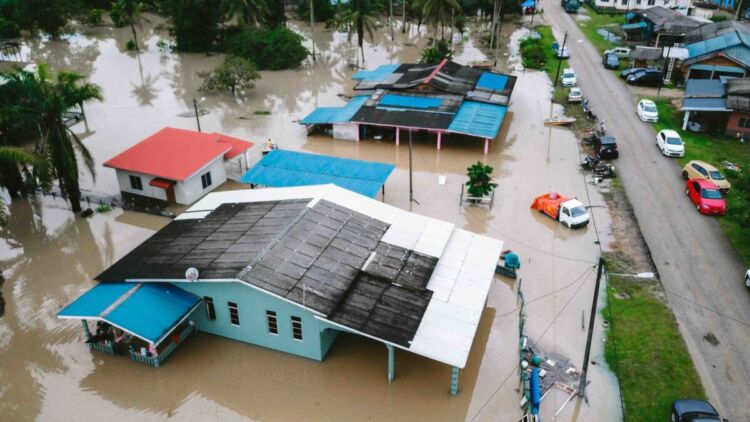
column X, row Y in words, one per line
column 44, row 101
column 247, row 11
column 129, row 13
column 12, row 158
column 359, row 16
column 438, row 11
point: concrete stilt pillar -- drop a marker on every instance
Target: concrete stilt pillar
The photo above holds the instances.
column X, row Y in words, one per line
column 357, row 138
column 440, row 136
column 454, row 381
column 686, row 120
column 391, row 363
column 398, row 136
column 86, row 329
column 486, row 145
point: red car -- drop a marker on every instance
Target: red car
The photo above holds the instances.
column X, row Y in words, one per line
column 706, row 197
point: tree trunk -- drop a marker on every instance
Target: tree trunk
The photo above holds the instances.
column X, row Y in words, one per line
column 135, row 38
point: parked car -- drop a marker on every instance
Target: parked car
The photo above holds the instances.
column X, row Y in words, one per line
column 646, row 77
column 606, row 147
column 697, row 169
column 620, row 52
column 610, row 61
column 670, row 143
column 569, row 77
column 563, row 53
column 686, row 410
column 647, row 111
column 575, row 95
column 627, row 72
column 706, row 197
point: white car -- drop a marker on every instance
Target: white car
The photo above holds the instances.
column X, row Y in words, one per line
column 575, row 95
column 569, row 77
column 670, row 143
column 747, row 278
column 563, row 53
column 647, row 111
column 620, row 52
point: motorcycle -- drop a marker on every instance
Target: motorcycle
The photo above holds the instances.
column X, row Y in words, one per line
column 602, row 129
column 604, row 170
column 588, row 111
column 590, row 162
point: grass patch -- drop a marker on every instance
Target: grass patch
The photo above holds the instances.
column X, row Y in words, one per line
column 600, row 20
column 714, row 149
column 646, row 351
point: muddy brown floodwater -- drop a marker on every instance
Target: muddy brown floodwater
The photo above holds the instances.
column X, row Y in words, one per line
column 49, row 255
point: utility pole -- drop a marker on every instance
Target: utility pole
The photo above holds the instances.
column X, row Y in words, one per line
column 592, row 319
column 533, row 13
column 559, row 60
column 739, row 9
column 197, row 116
column 494, row 24
column 411, row 186
column 403, row 16
column 312, row 30
column 390, row 19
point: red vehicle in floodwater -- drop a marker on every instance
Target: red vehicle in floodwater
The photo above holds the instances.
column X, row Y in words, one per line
column 705, row 196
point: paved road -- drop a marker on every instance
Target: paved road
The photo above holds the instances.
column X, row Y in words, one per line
column 700, row 271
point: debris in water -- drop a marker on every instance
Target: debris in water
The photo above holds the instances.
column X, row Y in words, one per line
column 711, row 338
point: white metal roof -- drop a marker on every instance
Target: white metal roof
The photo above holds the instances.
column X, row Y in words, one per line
column 460, row 282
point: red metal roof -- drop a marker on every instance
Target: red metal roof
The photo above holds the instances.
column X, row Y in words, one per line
column 177, row 154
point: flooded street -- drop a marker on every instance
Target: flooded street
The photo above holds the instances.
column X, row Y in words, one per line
column 49, row 256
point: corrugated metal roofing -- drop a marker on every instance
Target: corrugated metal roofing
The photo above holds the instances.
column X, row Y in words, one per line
column 478, row 119
column 281, row 168
column 378, row 74
column 704, row 104
column 147, row 310
column 704, row 88
column 411, row 101
column 636, row 25
column 494, row 81
column 725, row 69
column 328, row 115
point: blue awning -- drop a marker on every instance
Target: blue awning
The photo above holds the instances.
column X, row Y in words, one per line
column 282, row 168
column 478, row 119
column 329, row 115
column 704, row 104
column 726, row 69
column 636, row 25
column 149, row 311
column 492, row 81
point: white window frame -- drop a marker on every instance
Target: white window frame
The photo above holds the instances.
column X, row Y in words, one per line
column 297, row 326
column 271, row 318
column 233, row 306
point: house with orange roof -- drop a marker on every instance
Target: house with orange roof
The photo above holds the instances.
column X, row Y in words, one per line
column 177, row 165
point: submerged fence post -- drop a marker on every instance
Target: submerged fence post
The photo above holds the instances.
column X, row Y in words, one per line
column 86, row 329
column 391, row 363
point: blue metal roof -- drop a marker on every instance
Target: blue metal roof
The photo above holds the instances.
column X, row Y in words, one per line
column 282, row 168
column 492, row 81
column 378, row 74
column 478, row 119
column 704, row 88
column 726, row 69
column 704, row 104
column 528, row 3
column 410, row 101
column 328, row 115
column 720, row 42
column 147, row 310
column 636, row 25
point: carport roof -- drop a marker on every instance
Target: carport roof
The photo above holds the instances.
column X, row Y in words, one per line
column 704, row 104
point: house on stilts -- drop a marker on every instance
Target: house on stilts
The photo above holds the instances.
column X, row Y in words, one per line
column 447, row 100
column 289, row 269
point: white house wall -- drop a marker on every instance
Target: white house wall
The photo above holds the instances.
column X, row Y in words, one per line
column 639, row 5
column 123, row 179
column 191, row 189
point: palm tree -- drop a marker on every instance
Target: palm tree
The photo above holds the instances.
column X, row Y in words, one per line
column 247, row 11
column 11, row 158
column 129, row 12
column 45, row 101
column 438, row 11
column 359, row 16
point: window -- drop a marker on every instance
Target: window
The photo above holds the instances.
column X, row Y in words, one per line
column 297, row 328
column 234, row 313
column 206, row 180
column 135, row 182
column 624, row 2
column 210, row 310
column 638, row 2
column 744, row 123
column 273, row 326
column 651, row 2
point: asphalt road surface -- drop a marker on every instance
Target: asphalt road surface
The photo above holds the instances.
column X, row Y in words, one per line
column 700, row 271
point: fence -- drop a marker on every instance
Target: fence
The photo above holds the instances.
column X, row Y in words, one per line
column 102, row 347
column 157, row 361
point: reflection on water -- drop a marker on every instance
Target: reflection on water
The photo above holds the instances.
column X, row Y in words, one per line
column 49, row 256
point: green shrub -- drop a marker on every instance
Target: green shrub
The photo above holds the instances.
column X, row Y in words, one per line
column 274, row 49
column 436, row 52
column 9, row 29
column 94, row 16
column 718, row 18
column 480, row 180
column 533, row 54
column 130, row 45
column 235, row 74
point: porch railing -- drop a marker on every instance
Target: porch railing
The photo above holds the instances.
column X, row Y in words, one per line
column 156, row 361
column 102, row 347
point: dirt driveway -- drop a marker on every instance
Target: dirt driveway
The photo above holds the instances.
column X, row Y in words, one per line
column 700, row 271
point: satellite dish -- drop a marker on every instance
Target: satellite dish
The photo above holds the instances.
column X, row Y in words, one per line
column 191, row 274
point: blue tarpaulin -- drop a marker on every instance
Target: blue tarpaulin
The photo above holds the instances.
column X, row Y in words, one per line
column 528, row 3
column 378, row 74
column 478, row 119
column 328, row 115
column 146, row 310
column 492, row 81
column 636, row 25
column 409, row 101
column 281, row 168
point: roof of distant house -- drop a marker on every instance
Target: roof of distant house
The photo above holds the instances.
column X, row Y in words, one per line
column 367, row 267
column 177, row 154
column 669, row 21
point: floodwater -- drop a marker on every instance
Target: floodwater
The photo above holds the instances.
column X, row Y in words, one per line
column 49, row 256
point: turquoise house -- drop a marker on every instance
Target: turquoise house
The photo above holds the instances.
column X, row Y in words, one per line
column 290, row 268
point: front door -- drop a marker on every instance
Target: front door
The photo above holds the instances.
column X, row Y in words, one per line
column 170, row 195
